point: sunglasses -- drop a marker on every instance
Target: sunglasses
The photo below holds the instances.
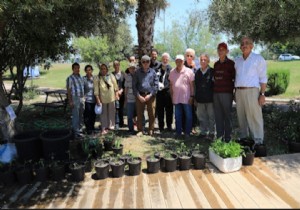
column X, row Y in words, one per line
column 189, row 56
column 145, row 61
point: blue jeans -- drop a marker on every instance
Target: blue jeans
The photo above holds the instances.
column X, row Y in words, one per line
column 77, row 113
column 130, row 115
column 187, row 110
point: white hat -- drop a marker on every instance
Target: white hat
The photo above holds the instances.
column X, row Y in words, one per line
column 98, row 109
column 180, row 57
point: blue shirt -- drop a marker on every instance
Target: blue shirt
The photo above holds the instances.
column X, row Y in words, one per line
column 145, row 81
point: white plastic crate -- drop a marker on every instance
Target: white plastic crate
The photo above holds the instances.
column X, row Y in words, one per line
column 225, row 165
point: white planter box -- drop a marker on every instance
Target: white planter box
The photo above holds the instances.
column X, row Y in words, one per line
column 225, row 165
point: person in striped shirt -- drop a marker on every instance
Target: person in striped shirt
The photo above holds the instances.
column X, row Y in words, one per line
column 75, row 90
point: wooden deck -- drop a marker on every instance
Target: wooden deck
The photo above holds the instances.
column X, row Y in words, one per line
column 272, row 182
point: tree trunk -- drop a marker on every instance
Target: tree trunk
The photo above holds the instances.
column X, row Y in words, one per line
column 145, row 20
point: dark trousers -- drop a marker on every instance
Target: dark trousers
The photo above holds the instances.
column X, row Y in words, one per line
column 120, row 111
column 194, row 120
column 222, row 108
column 164, row 106
column 89, row 116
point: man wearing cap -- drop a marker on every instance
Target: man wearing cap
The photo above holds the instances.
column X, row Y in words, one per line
column 182, row 92
column 145, row 86
column 224, row 75
column 250, row 83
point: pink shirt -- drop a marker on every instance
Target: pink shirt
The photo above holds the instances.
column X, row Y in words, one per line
column 181, row 85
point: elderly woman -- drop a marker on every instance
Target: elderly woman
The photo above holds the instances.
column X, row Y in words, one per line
column 106, row 92
column 204, row 98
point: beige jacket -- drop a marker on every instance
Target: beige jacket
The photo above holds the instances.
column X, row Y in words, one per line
column 107, row 95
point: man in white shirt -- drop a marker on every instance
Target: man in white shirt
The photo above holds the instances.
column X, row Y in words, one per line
column 250, row 84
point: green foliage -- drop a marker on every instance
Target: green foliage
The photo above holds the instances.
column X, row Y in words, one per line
column 231, row 149
column 278, row 81
column 182, row 149
column 262, row 20
column 31, row 92
column 118, row 142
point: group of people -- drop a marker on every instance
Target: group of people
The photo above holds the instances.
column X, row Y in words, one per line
column 198, row 96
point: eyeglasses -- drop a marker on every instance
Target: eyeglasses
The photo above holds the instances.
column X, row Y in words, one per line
column 145, row 61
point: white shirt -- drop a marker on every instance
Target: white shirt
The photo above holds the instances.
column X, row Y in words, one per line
column 250, row 72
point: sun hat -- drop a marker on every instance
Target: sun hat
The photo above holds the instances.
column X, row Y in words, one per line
column 179, row 57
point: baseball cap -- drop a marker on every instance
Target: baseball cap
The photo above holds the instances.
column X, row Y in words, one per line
column 180, row 57
column 223, row 45
column 145, row 58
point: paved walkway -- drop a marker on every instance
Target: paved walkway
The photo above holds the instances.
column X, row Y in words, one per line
column 272, row 182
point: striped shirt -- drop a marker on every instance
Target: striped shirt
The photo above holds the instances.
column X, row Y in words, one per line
column 89, row 89
column 76, row 85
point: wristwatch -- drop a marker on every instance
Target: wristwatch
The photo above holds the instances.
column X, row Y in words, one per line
column 262, row 94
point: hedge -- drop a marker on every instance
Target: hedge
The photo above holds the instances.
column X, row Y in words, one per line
column 278, row 81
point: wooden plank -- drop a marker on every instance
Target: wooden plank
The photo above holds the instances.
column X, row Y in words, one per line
column 129, row 199
column 116, row 193
column 102, row 196
column 169, row 193
column 182, row 190
column 155, row 192
column 143, row 193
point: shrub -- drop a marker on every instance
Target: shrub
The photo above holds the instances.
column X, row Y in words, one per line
column 278, row 81
column 30, row 92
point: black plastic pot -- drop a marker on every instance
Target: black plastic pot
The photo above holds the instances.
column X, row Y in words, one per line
column 119, row 150
column 125, row 157
column 77, row 172
column 185, row 161
column 58, row 172
column 294, row 147
column 41, row 174
column 7, row 177
column 24, row 175
column 56, row 142
column 102, row 169
column 28, row 145
column 162, row 160
column 248, row 159
column 260, row 150
column 108, row 145
column 87, row 165
column 135, row 166
column 153, row 165
column 171, row 163
column 117, row 168
column 198, row 160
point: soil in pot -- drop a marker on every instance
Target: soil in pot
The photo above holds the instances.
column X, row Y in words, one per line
column 198, row 160
column 135, row 166
column 118, row 150
column 153, row 165
column 248, row 159
column 260, row 150
column 56, row 143
column 170, row 162
column 102, row 169
column 28, row 145
column 117, row 168
column 24, row 175
column 185, row 161
column 77, row 172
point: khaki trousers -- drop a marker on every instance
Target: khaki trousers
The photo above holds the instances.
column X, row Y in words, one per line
column 140, row 108
column 107, row 118
column 249, row 114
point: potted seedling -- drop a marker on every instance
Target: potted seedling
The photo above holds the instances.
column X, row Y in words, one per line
column 102, row 168
column 170, row 161
column 126, row 156
column 41, row 170
column 117, row 166
column 117, row 147
column 227, row 157
column 184, row 157
column 77, row 171
column 57, row 169
column 135, row 165
column 109, row 141
column 248, row 157
column 24, row 173
column 198, row 159
column 153, row 163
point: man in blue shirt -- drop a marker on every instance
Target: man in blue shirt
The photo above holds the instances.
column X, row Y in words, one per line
column 145, row 86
